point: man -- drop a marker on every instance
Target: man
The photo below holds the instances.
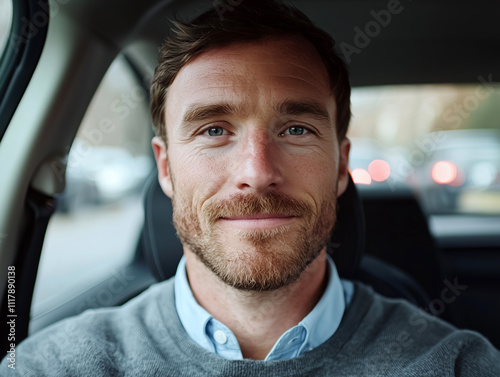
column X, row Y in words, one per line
column 251, row 112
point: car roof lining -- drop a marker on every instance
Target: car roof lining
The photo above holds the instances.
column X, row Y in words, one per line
column 456, row 34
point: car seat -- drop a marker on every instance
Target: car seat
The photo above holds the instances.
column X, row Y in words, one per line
column 397, row 231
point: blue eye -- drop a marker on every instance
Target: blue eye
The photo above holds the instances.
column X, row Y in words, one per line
column 296, row 131
column 215, row 131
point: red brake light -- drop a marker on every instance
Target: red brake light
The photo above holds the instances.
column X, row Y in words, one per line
column 361, row 177
column 444, row 172
column 379, row 170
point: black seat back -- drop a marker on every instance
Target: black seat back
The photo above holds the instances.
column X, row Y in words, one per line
column 162, row 248
column 397, row 232
column 348, row 238
column 398, row 218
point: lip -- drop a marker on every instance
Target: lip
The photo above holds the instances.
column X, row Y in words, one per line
column 258, row 220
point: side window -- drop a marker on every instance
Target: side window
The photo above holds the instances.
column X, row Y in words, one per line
column 99, row 216
column 5, row 22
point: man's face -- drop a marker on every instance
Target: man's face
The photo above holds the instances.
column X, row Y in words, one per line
column 253, row 164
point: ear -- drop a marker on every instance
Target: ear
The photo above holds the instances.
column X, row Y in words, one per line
column 343, row 173
column 164, row 177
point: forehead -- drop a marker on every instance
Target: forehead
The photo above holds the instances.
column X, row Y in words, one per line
column 252, row 72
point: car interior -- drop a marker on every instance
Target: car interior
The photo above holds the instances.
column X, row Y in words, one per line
column 57, row 53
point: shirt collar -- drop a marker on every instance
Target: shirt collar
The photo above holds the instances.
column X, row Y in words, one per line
column 322, row 322
column 193, row 317
column 318, row 326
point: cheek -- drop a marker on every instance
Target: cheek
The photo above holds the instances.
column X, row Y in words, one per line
column 317, row 177
column 315, row 168
column 198, row 177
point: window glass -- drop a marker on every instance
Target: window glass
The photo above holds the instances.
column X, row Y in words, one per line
column 5, row 22
column 99, row 216
column 443, row 141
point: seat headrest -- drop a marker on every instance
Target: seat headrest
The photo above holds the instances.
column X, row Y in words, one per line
column 163, row 250
column 348, row 237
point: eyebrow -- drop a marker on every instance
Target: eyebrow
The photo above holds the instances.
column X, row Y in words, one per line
column 312, row 108
column 197, row 112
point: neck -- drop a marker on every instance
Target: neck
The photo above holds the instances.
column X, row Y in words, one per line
column 257, row 319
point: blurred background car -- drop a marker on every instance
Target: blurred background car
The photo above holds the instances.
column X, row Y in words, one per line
column 105, row 175
column 373, row 164
column 461, row 173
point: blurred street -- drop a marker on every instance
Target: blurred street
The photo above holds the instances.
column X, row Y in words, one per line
column 83, row 246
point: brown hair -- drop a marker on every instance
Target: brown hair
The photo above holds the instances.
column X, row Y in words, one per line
column 250, row 20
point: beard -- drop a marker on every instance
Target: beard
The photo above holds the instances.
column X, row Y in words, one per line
column 257, row 259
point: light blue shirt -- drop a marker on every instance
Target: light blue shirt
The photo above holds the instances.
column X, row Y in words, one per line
column 318, row 326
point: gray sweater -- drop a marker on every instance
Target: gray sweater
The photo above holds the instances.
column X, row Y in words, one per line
column 377, row 337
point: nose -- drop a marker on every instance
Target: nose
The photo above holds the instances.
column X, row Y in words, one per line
column 257, row 164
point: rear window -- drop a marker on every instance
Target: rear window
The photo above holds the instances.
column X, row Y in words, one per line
column 442, row 141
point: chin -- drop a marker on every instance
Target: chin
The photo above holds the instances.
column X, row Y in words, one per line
column 257, row 263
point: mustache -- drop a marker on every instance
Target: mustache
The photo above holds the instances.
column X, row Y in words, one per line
column 268, row 203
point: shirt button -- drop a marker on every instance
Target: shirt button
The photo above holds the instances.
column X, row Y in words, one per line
column 220, row 337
